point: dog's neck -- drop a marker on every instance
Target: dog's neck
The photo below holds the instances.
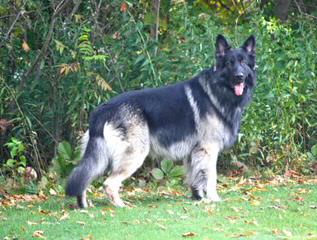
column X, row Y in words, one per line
column 229, row 108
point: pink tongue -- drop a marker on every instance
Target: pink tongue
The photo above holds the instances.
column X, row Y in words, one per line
column 238, row 89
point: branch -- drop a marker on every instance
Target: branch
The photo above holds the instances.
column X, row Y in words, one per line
column 13, row 24
column 44, row 48
column 225, row 6
column 77, row 4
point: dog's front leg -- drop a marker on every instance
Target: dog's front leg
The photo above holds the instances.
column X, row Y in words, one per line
column 211, row 186
column 202, row 172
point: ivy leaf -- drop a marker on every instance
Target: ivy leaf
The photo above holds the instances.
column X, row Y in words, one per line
column 65, row 150
column 314, row 150
column 167, row 166
column 177, row 171
column 157, row 173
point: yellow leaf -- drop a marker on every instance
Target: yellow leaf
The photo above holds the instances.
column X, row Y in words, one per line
column 287, row 233
column 78, row 18
column 52, row 192
column 161, row 226
column 101, row 82
column 81, row 223
column 189, row 234
column 32, row 223
column 63, row 68
column 89, row 237
column 64, row 216
column 244, row 234
column 255, row 203
column 170, row 212
column 25, row 46
column 39, row 234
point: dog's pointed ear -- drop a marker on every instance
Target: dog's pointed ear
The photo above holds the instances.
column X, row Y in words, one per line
column 249, row 45
column 222, row 46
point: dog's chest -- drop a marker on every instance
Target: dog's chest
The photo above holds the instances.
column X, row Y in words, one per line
column 213, row 129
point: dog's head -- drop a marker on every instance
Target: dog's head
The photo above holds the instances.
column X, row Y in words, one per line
column 236, row 66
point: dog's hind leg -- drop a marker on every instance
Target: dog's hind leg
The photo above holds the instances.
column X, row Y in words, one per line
column 129, row 163
column 128, row 154
column 93, row 164
column 82, row 200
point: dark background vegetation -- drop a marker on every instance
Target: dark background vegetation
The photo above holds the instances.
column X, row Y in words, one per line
column 59, row 59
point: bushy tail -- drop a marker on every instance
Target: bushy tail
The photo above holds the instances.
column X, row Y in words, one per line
column 93, row 164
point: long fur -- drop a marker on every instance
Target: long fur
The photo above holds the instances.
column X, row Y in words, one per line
column 93, row 163
column 191, row 121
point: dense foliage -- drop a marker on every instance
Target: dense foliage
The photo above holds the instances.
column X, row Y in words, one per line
column 59, row 60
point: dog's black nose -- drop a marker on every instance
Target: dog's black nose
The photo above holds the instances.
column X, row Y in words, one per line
column 239, row 76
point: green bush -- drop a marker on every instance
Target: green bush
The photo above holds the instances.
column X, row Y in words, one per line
column 93, row 58
column 168, row 172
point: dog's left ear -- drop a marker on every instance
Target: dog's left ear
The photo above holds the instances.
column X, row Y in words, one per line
column 249, row 45
column 222, row 46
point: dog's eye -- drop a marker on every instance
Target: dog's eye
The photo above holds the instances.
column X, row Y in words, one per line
column 229, row 62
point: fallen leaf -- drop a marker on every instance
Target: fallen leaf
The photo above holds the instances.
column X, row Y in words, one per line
column 189, row 234
column 287, row 233
column 123, row 7
column 126, row 223
column 152, row 206
column 89, row 237
column 209, row 210
column 291, row 173
column 244, row 234
column 64, row 216
column 185, row 209
column 116, row 35
column 25, row 46
column 232, row 217
column 39, row 234
column 170, row 212
column 52, row 192
column 236, row 209
column 46, row 212
column 4, row 124
column 252, row 222
column 255, row 202
column 299, row 199
column 31, row 223
column 161, row 226
column 81, row 223
column 302, row 191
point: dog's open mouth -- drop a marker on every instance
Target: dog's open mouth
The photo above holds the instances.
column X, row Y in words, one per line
column 238, row 89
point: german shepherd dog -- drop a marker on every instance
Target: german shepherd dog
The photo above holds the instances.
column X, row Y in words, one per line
column 192, row 121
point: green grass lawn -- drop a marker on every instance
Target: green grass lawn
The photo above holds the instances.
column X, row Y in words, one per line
column 246, row 212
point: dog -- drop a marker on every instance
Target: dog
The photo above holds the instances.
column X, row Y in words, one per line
column 192, row 121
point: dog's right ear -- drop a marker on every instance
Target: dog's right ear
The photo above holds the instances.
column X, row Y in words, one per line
column 249, row 45
column 222, row 46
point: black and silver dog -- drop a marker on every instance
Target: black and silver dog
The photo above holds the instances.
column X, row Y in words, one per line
column 192, row 121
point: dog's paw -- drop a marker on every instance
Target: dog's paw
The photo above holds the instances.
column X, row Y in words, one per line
column 204, row 201
column 118, row 203
column 214, row 198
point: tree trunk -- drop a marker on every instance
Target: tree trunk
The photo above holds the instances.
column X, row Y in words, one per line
column 156, row 15
column 263, row 3
column 281, row 9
